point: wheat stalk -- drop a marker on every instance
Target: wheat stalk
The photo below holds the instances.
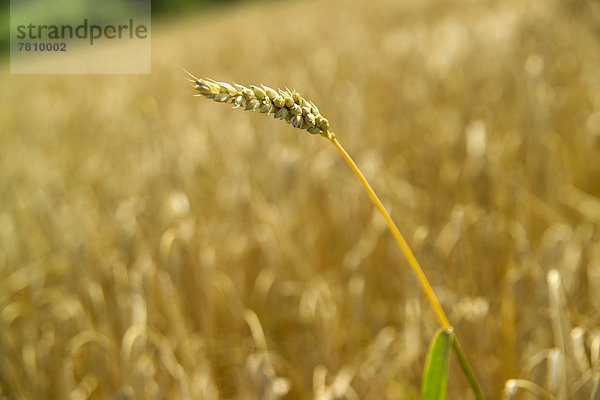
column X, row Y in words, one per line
column 303, row 114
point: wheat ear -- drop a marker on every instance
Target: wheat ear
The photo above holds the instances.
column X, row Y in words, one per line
column 286, row 104
column 303, row 114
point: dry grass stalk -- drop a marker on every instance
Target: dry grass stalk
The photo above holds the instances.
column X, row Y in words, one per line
column 286, row 104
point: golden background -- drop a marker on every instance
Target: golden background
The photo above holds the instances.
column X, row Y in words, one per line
column 154, row 245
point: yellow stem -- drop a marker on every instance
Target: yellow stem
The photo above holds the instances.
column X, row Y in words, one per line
column 412, row 261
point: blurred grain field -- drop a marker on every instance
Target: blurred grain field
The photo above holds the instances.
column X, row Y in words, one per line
column 154, row 245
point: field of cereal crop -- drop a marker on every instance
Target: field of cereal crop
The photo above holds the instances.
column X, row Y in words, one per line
column 155, row 245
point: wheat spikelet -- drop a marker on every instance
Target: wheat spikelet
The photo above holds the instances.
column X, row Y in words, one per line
column 286, row 104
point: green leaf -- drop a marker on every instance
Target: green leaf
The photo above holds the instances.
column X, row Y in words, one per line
column 436, row 368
